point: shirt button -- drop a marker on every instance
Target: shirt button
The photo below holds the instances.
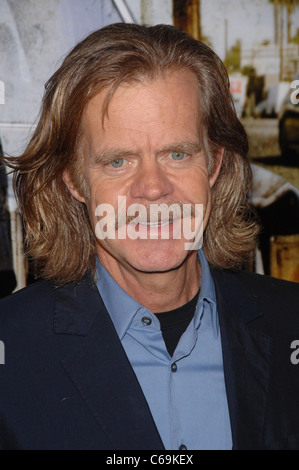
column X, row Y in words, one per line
column 183, row 447
column 146, row 321
column 174, row 367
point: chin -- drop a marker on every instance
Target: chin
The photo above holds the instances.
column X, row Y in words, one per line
column 157, row 259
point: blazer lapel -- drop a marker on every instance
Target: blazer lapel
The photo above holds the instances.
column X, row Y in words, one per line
column 247, row 361
column 93, row 357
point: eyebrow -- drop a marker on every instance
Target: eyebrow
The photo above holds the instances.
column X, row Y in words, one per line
column 107, row 155
column 185, row 147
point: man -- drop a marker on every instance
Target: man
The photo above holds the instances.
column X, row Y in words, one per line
column 134, row 339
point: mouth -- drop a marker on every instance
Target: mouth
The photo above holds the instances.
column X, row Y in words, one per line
column 164, row 229
column 156, row 224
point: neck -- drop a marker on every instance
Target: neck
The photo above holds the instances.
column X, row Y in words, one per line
column 159, row 291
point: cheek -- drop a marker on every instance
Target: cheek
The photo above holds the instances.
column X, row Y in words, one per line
column 197, row 189
column 100, row 192
column 103, row 199
column 94, row 197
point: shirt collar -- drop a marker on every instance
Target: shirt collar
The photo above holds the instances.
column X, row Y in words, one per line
column 122, row 308
column 207, row 294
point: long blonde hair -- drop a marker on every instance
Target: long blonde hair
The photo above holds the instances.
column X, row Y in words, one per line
column 59, row 237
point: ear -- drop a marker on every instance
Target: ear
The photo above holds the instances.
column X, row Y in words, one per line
column 218, row 163
column 68, row 181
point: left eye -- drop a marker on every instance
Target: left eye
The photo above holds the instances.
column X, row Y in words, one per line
column 177, row 155
column 117, row 163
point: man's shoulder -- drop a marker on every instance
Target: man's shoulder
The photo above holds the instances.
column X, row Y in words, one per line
column 276, row 299
column 32, row 295
column 270, row 290
column 41, row 302
column 29, row 306
column 267, row 284
column 259, row 285
column 44, row 293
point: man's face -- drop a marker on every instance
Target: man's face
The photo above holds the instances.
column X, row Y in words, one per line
column 148, row 151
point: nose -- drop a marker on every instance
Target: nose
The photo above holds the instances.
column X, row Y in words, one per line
column 151, row 183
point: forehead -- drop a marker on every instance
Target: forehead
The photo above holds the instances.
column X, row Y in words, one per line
column 167, row 104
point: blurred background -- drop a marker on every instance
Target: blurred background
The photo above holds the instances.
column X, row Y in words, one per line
column 258, row 40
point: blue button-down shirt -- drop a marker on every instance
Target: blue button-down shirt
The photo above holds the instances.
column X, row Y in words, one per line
column 186, row 392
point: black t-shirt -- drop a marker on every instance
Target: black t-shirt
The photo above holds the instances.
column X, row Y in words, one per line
column 175, row 322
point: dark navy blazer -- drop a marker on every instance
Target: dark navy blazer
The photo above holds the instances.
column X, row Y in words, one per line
column 67, row 383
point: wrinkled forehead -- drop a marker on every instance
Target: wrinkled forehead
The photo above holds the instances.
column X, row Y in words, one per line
column 168, row 98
